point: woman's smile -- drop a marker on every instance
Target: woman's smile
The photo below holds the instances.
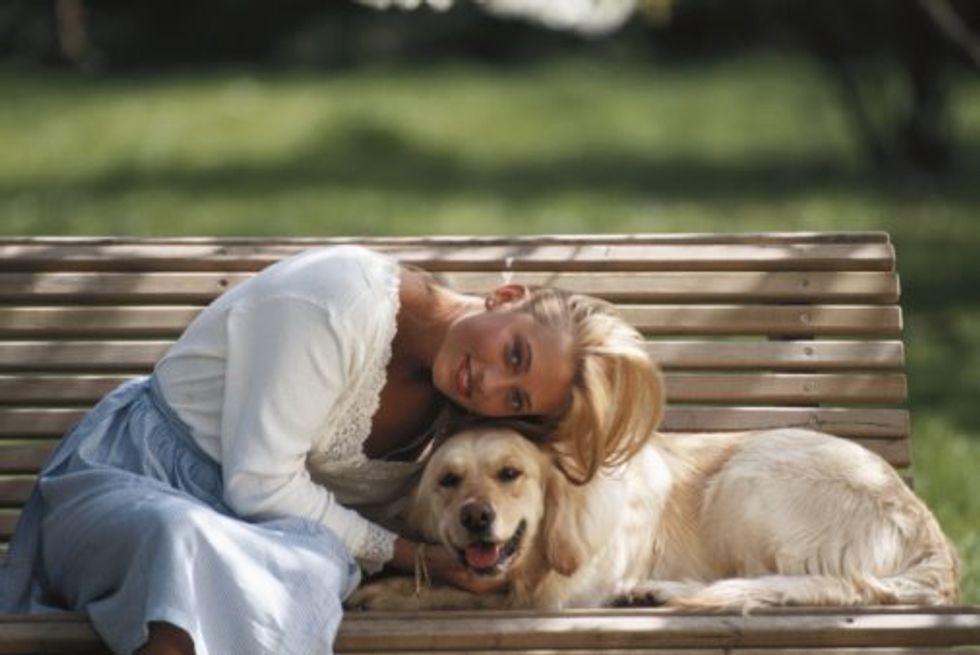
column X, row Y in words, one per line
column 464, row 378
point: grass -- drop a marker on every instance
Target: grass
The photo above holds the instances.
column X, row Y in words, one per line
column 755, row 143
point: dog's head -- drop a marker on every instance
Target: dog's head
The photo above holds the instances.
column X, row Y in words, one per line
column 497, row 500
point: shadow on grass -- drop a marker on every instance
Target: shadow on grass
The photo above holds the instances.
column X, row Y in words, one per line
column 369, row 155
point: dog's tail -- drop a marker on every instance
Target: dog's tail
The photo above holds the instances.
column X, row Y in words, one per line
column 929, row 581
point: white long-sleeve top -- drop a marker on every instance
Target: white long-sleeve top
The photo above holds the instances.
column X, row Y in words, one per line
column 278, row 380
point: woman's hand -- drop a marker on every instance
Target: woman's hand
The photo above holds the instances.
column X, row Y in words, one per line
column 442, row 565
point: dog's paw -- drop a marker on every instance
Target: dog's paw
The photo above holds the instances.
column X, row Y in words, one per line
column 388, row 594
column 654, row 593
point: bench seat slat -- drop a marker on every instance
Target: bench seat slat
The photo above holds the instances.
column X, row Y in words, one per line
column 48, row 422
column 517, row 256
column 654, row 630
column 157, row 288
column 788, row 320
column 885, row 631
column 784, row 388
column 894, row 650
column 140, row 356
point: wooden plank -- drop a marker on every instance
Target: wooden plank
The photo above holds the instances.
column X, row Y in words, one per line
column 48, row 422
column 598, row 632
column 96, row 321
column 788, row 320
column 82, row 288
column 48, row 634
column 72, row 633
column 24, row 456
column 81, row 356
column 37, row 423
column 74, row 389
column 159, row 288
column 779, row 389
column 15, row 490
column 850, row 236
column 575, row 651
column 773, row 320
column 140, row 356
column 883, row 630
column 866, row 423
column 696, row 286
column 514, row 255
column 8, row 521
column 894, row 650
column 742, row 354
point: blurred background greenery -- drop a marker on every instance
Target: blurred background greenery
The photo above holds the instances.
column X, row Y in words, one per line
column 318, row 118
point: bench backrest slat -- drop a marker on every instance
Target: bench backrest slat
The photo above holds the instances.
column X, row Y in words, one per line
column 637, row 287
column 140, row 355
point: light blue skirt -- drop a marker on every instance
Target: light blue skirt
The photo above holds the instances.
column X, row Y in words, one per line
column 127, row 524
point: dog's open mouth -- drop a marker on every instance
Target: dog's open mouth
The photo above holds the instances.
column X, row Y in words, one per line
column 488, row 557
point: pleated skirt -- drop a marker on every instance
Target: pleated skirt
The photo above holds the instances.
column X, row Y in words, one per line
column 127, row 523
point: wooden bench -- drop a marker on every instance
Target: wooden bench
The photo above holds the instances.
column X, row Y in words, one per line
column 754, row 331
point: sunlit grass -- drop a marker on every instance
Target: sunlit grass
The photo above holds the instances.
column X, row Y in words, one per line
column 567, row 146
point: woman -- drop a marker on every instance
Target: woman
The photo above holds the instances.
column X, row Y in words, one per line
column 208, row 507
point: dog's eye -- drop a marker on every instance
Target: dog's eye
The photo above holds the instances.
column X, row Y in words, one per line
column 450, row 480
column 508, row 474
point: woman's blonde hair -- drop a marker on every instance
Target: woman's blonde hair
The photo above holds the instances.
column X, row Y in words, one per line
column 617, row 395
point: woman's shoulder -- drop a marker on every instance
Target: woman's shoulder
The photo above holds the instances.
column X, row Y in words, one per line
column 343, row 259
column 331, row 276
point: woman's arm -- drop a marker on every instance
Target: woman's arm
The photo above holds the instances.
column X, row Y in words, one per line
column 288, row 363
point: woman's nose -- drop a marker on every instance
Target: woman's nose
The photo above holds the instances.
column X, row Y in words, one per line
column 493, row 379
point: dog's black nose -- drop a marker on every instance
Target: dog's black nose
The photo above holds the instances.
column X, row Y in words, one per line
column 477, row 517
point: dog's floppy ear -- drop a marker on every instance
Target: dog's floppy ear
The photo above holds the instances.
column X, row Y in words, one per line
column 563, row 547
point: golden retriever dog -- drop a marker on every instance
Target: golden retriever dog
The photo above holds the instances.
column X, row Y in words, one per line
column 699, row 521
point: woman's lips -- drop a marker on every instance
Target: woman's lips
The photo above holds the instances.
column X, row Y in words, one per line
column 463, row 378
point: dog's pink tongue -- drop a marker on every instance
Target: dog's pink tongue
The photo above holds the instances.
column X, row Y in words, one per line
column 482, row 556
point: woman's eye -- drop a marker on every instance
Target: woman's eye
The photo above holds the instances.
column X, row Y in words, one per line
column 449, row 481
column 514, row 358
column 508, row 474
column 516, row 401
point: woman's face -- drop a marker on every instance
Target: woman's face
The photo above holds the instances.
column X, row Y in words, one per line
column 503, row 362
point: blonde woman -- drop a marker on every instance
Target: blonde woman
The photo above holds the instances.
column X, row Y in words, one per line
column 221, row 504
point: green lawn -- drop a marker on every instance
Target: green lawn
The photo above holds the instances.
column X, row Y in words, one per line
column 568, row 146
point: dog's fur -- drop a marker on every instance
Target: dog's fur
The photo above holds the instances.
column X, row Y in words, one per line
column 702, row 521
